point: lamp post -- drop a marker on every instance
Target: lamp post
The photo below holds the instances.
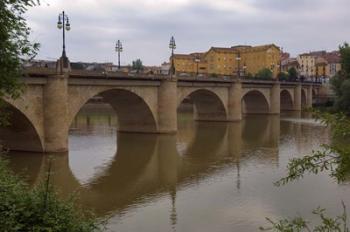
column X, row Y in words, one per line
column 197, row 60
column 63, row 23
column 280, row 64
column 238, row 59
column 118, row 49
column 172, row 46
column 244, row 69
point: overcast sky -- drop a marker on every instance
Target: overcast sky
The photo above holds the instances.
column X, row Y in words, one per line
column 145, row 26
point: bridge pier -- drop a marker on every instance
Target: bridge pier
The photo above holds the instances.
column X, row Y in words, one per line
column 56, row 111
column 167, row 107
column 275, row 100
column 234, row 106
column 297, row 98
column 309, row 97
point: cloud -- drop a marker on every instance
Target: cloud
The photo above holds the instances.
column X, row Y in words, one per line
column 145, row 26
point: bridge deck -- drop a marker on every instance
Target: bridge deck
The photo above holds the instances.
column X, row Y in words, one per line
column 36, row 76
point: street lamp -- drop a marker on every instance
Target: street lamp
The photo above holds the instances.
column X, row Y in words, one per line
column 172, row 46
column 281, row 56
column 238, row 59
column 118, row 49
column 244, row 69
column 197, row 60
column 63, row 23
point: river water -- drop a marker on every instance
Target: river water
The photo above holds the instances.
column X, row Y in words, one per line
column 207, row 177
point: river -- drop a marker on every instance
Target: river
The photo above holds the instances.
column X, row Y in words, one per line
column 208, row 177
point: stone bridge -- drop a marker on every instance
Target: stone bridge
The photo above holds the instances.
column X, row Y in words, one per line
column 51, row 99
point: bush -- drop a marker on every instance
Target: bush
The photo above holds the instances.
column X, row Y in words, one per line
column 264, row 74
column 39, row 209
column 282, row 76
column 341, row 81
column 293, row 74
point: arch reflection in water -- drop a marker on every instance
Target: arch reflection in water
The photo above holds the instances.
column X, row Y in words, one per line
column 145, row 168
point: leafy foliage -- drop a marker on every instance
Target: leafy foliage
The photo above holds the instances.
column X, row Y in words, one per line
column 299, row 224
column 341, row 82
column 282, row 76
column 293, row 73
column 345, row 61
column 40, row 209
column 264, row 74
column 137, row 65
column 334, row 157
column 14, row 44
column 14, row 47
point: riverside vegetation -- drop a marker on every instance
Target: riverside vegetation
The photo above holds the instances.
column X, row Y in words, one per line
column 38, row 209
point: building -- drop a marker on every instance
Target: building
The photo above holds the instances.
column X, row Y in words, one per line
column 319, row 64
column 307, row 65
column 257, row 58
column 240, row 59
column 333, row 63
column 165, row 68
column 190, row 63
column 321, row 67
column 289, row 63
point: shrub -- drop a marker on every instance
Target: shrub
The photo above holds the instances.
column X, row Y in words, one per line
column 282, row 76
column 293, row 74
column 38, row 209
column 264, row 74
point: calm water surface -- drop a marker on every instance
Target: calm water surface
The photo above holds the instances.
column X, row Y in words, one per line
column 208, row 177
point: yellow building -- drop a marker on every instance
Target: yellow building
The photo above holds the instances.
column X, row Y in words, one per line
column 321, row 67
column 307, row 65
column 259, row 57
column 190, row 63
column 228, row 61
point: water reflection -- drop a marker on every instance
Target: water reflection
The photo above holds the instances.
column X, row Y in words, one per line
column 132, row 172
column 147, row 165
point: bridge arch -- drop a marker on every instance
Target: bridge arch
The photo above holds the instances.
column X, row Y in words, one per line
column 208, row 104
column 255, row 102
column 23, row 132
column 287, row 102
column 135, row 110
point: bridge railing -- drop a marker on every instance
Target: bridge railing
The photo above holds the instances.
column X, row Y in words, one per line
column 42, row 71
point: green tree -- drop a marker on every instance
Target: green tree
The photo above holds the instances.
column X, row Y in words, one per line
column 14, row 48
column 341, row 81
column 345, row 59
column 137, row 65
column 14, row 44
column 264, row 74
column 293, row 73
column 282, row 76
